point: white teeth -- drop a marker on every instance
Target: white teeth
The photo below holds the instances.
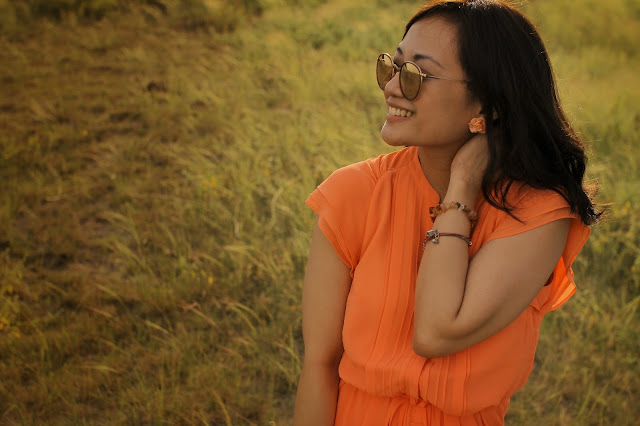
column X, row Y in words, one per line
column 400, row 112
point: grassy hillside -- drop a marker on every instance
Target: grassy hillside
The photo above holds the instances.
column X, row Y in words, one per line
column 155, row 160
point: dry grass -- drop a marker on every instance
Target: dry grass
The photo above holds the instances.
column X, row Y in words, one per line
column 153, row 235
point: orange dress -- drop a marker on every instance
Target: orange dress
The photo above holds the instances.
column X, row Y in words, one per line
column 375, row 213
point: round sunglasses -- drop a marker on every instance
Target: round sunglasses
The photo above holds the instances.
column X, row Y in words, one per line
column 410, row 76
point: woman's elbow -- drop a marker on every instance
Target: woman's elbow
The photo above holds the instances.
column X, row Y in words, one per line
column 428, row 349
column 431, row 345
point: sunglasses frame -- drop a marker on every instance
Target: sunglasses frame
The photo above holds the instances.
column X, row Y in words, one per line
column 398, row 69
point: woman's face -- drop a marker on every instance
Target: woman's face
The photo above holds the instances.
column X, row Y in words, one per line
column 441, row 112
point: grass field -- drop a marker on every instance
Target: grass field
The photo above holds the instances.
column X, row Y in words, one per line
column 156, row 155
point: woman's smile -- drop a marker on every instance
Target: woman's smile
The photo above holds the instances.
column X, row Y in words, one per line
column 395, row 114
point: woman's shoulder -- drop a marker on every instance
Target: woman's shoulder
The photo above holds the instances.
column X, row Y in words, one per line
column 341, row 202
column 524, row 199
column 370, row 171
column 349, row 190
column 530, row 207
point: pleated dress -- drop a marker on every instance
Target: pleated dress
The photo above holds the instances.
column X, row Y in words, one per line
column 375, row 213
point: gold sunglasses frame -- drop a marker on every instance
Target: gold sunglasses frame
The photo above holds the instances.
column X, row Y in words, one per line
column 398, row 69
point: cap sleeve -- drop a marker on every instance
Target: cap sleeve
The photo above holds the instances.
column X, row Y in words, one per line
column 341, row 203
column 532, row 208
column 535, row 208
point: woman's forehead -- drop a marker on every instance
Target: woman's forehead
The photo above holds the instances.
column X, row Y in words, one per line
column 431, row 39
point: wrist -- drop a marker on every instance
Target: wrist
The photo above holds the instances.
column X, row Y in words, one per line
column 462, row 192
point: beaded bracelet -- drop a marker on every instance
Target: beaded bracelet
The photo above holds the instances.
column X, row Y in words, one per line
column 434, row 236
column 436, row 211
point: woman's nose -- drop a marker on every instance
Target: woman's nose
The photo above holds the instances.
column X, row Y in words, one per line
column 392, row 88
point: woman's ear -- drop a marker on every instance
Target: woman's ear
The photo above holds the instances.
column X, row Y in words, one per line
column 494, row 116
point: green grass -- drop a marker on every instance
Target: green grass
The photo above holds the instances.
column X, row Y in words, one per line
column 153, row 235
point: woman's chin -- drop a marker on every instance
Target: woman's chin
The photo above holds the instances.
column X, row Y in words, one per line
column 392, row 138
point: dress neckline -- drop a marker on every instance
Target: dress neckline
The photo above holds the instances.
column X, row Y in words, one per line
column 421, row 179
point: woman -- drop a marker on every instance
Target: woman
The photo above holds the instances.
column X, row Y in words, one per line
column 431, row 267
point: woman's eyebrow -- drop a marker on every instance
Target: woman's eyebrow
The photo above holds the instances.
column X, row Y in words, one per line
column 419, row 56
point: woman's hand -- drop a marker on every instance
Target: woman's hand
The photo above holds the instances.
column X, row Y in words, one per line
column 469, row 164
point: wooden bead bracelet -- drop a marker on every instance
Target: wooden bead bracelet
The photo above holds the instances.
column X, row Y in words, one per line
column 438, row 209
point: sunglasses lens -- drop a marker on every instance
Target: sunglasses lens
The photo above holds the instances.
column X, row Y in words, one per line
column 410, row 81
column 384, row 70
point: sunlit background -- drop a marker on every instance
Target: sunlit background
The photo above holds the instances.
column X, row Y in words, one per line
column 156, row 155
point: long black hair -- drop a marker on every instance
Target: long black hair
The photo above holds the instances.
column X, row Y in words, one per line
column 530, row 139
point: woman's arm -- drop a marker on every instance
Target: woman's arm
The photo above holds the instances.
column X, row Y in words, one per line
column 460, row 303
column 324, row 297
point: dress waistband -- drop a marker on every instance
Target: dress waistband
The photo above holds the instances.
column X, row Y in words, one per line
column 407, row 410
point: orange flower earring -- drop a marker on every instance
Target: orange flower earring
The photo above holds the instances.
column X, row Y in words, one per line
column 477, row 125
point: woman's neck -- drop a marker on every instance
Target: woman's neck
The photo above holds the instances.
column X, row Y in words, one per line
column 436, row 166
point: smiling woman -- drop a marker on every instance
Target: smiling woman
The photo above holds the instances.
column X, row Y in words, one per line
column 432, row 267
